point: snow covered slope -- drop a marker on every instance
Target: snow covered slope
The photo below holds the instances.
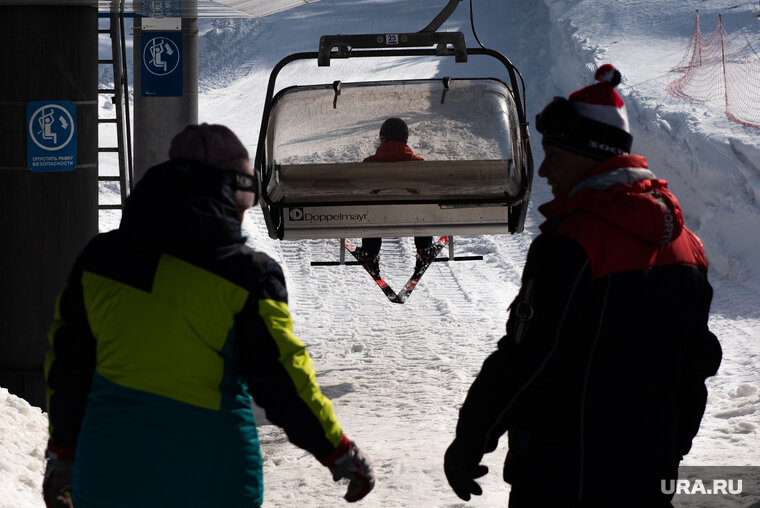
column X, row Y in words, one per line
column 397, row 374
column 400, row 372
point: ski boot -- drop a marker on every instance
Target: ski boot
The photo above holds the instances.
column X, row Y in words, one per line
column 370, row 261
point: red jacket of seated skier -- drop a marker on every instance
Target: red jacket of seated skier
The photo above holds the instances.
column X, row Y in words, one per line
column 394, row 135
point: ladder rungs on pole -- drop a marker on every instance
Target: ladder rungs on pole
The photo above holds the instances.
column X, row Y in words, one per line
column 119, row 92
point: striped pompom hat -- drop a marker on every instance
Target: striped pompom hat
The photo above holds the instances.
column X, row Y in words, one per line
column 592, row 121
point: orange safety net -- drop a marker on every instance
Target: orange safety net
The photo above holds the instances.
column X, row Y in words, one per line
column 717, row 68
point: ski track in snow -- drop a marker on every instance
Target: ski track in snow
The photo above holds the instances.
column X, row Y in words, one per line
column 394, row 372
column 400, row 366
column 397, row 373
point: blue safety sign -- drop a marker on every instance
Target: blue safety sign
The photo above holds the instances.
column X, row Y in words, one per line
column 51, row 143
column 161, row 71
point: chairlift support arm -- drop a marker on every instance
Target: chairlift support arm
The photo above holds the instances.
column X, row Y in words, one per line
column 442, row 16
column 424, row 38
column 446, row 43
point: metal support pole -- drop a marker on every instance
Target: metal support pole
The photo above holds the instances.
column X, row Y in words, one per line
column 46, row 217
column 723, row 62
column 157, row 119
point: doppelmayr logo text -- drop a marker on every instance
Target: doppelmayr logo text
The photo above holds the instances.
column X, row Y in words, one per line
column 711, row 487
column 298, row 214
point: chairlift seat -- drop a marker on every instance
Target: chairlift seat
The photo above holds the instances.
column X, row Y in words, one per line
column 474, row 179
column 402, row 181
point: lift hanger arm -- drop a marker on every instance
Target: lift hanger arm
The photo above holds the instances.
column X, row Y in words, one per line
column 424, row 38
column 446, row 43
column 442, row 16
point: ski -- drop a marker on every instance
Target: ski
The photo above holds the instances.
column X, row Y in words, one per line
column 417, row 275
column 389, row 292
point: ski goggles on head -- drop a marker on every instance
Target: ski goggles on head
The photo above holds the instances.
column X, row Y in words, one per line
column 199, row 175
column 243, row 181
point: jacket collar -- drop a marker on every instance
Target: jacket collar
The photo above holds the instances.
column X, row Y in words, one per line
column 181, row 206
column 391, row 151
column 621, row 191
column 621, row 169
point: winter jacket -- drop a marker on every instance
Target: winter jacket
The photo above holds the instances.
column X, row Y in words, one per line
column 393, row 151
column 166, row 328
column 599, row 380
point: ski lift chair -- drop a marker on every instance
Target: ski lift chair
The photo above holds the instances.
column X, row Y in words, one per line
column 472, row 133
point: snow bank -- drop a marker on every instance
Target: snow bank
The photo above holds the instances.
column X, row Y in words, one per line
column 23, row 436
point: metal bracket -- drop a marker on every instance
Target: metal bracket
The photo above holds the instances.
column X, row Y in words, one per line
column 446, row 43
column 446, row 85
column 336, row 89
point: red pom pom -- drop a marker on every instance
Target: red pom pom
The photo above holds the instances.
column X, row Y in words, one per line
column 607, row 73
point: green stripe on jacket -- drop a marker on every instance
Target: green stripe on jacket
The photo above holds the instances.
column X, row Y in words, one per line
column 298, row 365
column 140, row 335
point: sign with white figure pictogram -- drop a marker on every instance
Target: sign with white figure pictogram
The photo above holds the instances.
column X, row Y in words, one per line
column 161, row 74
column 51, row 143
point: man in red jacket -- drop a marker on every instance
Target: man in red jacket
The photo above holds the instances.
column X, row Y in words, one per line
column 600, row 379
column 394, row 134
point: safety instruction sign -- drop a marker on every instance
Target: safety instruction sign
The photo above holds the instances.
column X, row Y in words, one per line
column 161, row 71
column 51, row 143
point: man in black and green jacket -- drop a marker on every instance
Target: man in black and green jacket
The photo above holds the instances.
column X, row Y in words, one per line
column 167, row 327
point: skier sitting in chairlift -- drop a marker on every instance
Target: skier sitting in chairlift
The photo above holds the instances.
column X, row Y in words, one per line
column 394, row 134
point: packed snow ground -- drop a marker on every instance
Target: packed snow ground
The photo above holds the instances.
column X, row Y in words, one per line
column 397, row 374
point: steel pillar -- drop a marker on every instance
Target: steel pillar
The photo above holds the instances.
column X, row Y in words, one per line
column 47, row 53
column 158, row 119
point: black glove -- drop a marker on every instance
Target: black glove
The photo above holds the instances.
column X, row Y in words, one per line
column 348, row 461
column 461, row 465
column 56, row 487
